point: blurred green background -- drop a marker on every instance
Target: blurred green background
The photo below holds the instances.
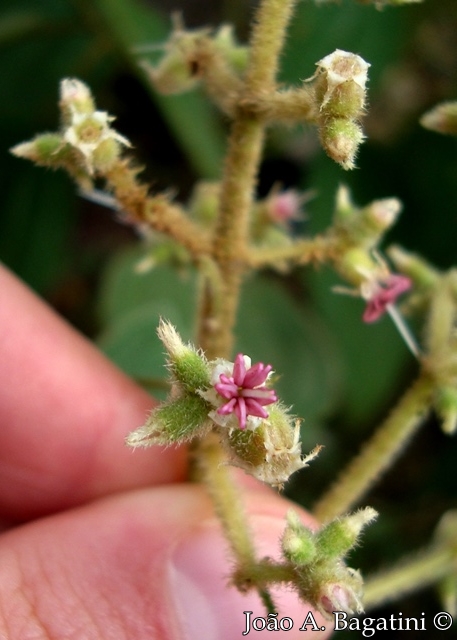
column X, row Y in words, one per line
column 339, row 374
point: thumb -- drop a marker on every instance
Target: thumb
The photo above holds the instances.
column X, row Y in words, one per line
column 145, row 565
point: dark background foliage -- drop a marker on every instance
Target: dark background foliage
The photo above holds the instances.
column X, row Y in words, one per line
column 340, row 375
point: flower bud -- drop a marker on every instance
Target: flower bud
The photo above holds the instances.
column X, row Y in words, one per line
column 236, row 54
column 298, row 542
column 442, row 118
column 340, row 86
column 339, row 536
column 341, row 138
column 204, row 202
column 189, row 368
column 43, row 149
column 75, row 97
column 173, row 422
column 414, row 266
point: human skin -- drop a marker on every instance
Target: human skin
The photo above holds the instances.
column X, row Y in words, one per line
column 99, row 541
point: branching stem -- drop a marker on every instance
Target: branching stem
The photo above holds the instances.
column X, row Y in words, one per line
column 378, row 453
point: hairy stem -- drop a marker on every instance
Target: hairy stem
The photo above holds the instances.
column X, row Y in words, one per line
column 409, row 575
column 239, row 179
column 213, row 471
column 155, row 211
column 378, row 453
column 221, row 286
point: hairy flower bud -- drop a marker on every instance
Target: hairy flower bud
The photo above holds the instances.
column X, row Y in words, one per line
column 175, row 421
column 340, row 86
column 188, row 367
column 42, row 149
column 298, row 543
column 339, row 536
column 75, row 97
column 341, row 138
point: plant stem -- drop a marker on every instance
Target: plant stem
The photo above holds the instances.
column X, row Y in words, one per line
column 378, row 453
column 218, row 308
column 411, row 575
column 213, row 471
column 239, row 179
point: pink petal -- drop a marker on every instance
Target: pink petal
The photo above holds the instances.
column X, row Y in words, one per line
column 262, row 395
column 256, row 375
column 255, row 409
column 228, row 407
column 239, row 370
column 227, row 390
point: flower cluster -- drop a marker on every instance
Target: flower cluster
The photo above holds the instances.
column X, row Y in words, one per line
column 322, row 577
column 86, row 143
column 230, row 399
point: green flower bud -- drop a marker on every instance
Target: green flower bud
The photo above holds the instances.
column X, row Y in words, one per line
column 189, row 368
column 204, row 202
column 173, row 422
column 43, row 149
column 298, row 543
column 339, row 536
column 237, row 55
column 364, row 227
column 341, row 139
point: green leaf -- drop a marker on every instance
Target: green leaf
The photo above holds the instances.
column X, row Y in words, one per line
column 130, row 307
column 38, row 217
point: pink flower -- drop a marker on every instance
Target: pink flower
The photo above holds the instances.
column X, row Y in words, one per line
column 383, row 293
column 245, row 391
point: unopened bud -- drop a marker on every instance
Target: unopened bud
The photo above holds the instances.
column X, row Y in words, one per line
column 341, row 139
column 442, row 118
column 339, row 536
column 176, row 421
column 43, row 149
column 189, row 368
column 75, row 97
column 298, row 543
